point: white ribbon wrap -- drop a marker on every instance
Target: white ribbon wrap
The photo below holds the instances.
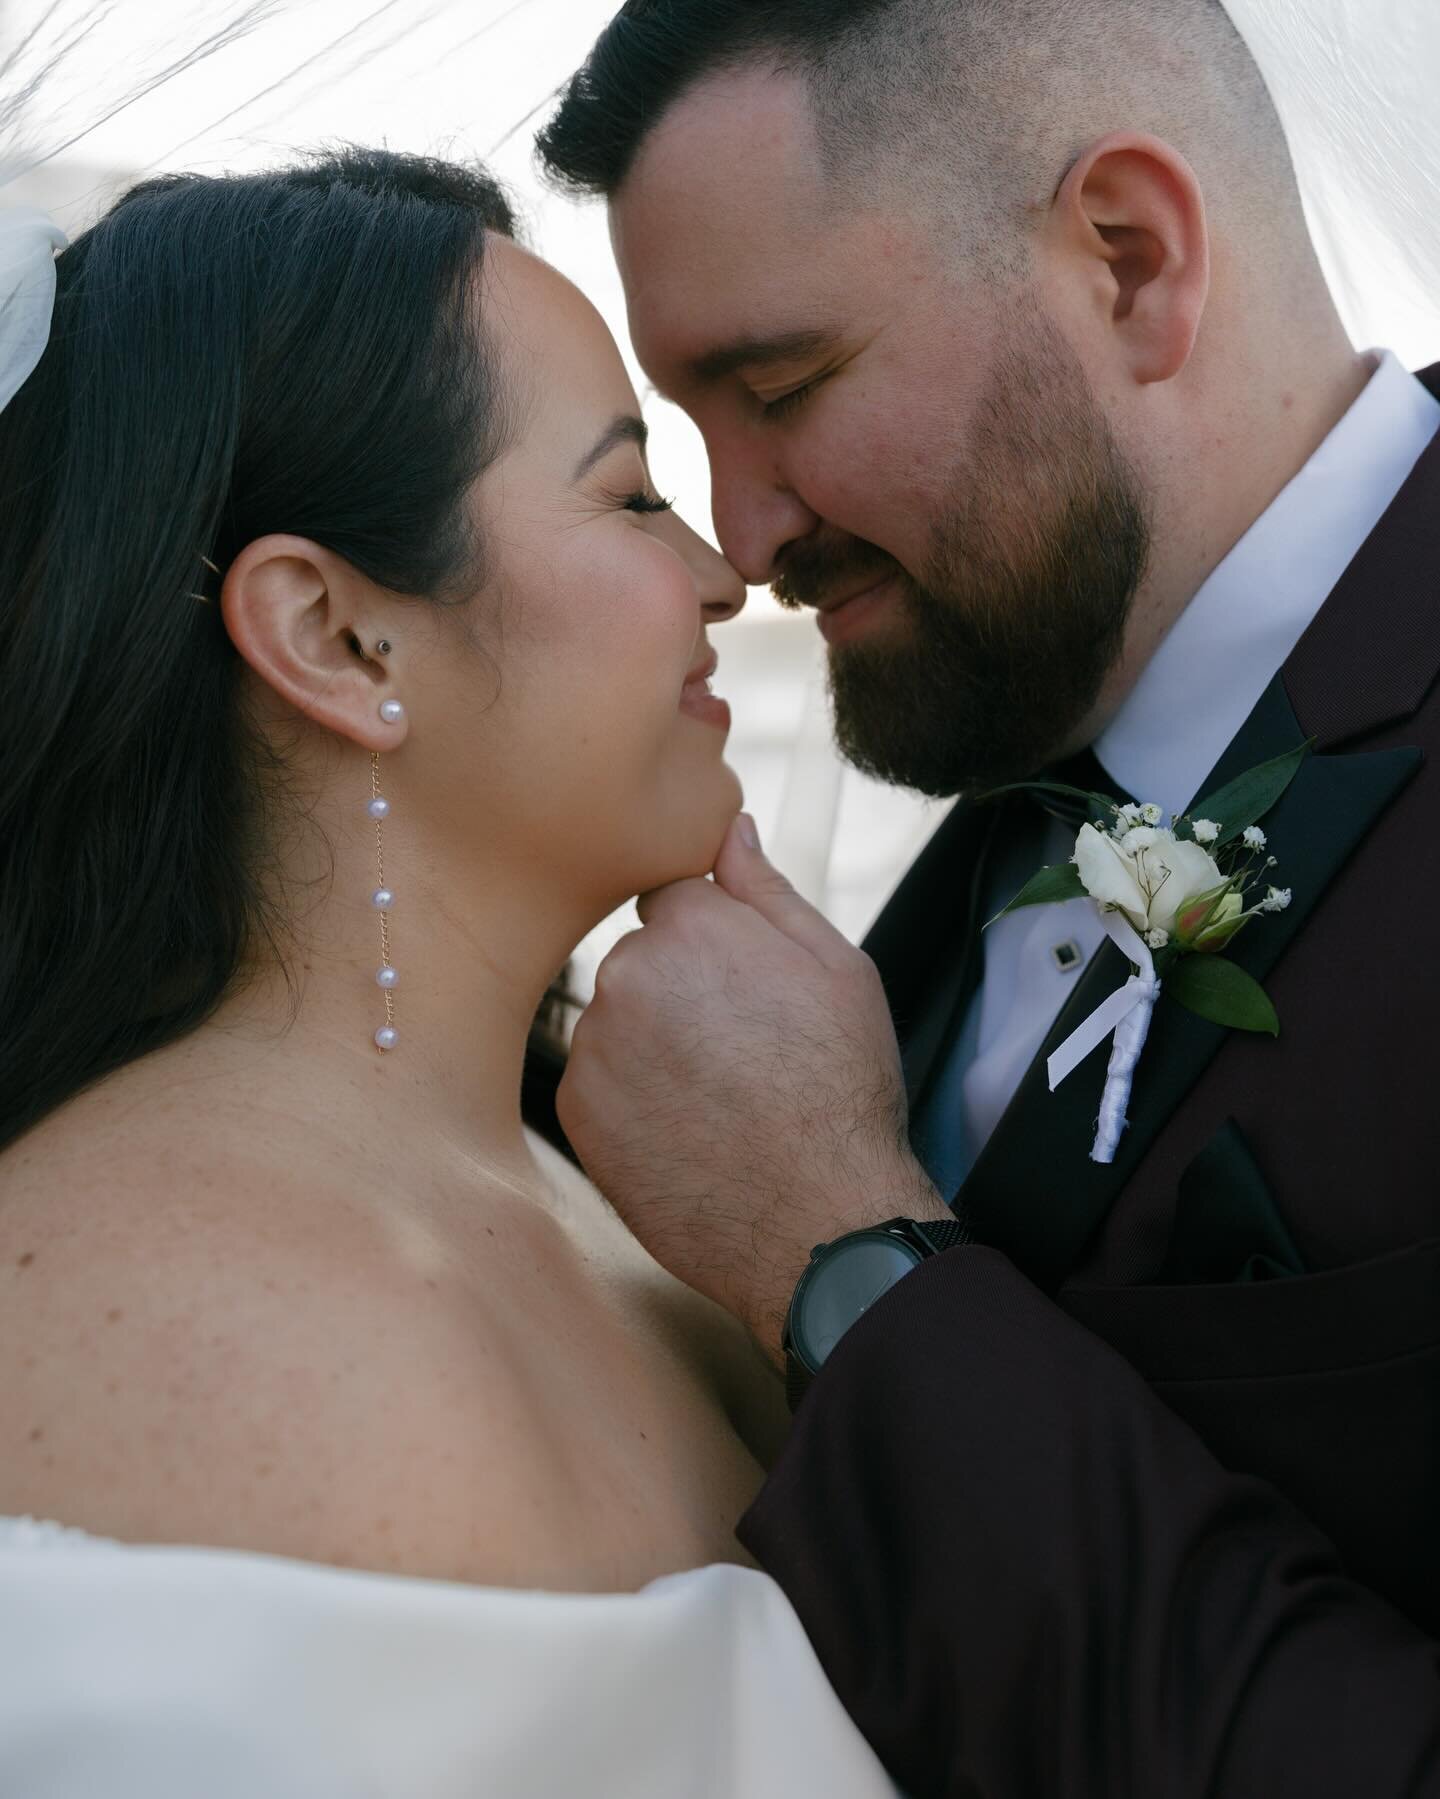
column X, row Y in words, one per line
column 29, row 239
column 1127, row 1013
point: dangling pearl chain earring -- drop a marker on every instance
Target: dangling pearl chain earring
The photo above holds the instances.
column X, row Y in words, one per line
column 382, row 898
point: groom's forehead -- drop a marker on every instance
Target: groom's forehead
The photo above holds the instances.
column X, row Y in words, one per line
column 704, row 305
column 734, row 160
column 724, row 231
column 702, row 316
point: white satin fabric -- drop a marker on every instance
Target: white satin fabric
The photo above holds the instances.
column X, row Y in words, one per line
column 175, row 1673
column 28, row 242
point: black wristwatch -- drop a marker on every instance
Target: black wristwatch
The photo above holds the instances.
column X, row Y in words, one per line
column 844, row 1279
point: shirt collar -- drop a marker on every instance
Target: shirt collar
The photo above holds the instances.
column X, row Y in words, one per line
column 1222, row 653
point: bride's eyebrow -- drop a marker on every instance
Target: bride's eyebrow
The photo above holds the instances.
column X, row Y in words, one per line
column 627, row 429
column 755, row 353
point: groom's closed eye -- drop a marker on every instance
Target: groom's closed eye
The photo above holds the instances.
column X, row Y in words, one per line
column 788, row 403
column 749, row 356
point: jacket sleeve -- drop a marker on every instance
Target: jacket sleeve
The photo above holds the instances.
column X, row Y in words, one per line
column 1024, row 1575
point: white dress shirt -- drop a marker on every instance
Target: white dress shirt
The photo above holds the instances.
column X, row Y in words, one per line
column 1188, row 704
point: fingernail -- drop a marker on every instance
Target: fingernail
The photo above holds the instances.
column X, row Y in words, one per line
column 749, row 835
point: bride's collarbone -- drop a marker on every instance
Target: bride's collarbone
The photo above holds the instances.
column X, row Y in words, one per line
column 227, row 1348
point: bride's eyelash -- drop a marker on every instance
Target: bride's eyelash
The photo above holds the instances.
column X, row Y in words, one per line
column 646, row 502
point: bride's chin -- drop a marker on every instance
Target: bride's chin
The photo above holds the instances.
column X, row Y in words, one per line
column 689, row 848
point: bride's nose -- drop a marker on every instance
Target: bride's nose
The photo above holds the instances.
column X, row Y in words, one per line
column 722, row 592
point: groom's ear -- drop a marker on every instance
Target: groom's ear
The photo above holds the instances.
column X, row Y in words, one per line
column 1127, row 244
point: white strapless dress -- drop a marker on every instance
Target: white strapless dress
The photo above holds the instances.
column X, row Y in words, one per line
column 149, row 1672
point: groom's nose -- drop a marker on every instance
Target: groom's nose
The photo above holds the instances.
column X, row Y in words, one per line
column 756, row 514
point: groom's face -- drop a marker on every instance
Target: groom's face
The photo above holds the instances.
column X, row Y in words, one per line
column 907, row 446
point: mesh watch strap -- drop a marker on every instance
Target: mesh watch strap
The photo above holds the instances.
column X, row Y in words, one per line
column 940, row 1237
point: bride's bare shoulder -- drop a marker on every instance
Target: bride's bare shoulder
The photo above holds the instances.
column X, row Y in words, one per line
column 224, row 1338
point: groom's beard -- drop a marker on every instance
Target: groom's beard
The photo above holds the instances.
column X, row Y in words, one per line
column 997, row 656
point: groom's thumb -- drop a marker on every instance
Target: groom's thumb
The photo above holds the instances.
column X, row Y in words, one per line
column 746, row 874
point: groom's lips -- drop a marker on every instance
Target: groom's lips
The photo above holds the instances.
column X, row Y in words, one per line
column 845, row 617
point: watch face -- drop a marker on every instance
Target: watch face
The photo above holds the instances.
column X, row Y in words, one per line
column 845, row 1283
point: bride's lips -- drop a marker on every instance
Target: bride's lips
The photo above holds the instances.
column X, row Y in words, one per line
column 696, row 698
column 842, row 619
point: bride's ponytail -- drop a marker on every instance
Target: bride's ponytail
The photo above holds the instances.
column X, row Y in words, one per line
column 229, row 357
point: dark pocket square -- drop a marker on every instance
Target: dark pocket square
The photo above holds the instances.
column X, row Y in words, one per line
column 1227, row 1225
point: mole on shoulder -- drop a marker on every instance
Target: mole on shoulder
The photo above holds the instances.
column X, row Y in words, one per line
column 26, row 1259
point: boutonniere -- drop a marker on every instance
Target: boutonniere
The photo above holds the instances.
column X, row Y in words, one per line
column 1171, row 897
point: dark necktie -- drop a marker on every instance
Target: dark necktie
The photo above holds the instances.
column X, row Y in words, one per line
column 1083, row 770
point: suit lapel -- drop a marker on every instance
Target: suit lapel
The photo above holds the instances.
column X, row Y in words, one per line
column 1367, row 660
column 1034, row 1192
column 926, row 943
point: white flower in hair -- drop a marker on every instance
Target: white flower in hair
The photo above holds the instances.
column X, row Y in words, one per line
column 29, row 239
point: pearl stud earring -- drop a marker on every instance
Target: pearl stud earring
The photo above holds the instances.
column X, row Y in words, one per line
column 391, row 711
column 382, row 899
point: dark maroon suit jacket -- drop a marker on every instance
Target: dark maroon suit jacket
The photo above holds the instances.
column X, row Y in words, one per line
column 1143, row 1497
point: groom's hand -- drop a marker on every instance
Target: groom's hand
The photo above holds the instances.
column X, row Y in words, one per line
column 735, row 1087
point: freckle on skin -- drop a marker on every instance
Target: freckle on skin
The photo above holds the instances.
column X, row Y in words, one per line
column 26, row 1259
column 37, row 1434
column 114, row 1315
column 264, row 1469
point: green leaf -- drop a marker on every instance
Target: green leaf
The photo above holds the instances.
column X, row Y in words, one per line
column 1047, row 888
column 1222, row 992
column 1250, row 796
column 1101, row 805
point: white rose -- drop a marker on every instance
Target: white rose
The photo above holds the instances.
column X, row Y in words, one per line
column 1149, row 885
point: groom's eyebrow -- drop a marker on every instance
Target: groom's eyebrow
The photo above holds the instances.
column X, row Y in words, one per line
column 626, row 429
column 761, row 352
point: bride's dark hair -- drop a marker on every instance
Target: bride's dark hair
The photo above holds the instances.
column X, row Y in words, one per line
column 293, row 351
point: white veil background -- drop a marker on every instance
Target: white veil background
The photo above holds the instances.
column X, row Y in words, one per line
column 94, row 93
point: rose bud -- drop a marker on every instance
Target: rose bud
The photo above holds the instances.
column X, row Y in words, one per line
column 1208, row 922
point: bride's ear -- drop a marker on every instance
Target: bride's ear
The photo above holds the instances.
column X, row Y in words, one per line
column 1127, row 237
column 304, row 620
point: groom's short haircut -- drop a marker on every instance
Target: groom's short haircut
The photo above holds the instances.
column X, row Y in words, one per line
column 984, row 99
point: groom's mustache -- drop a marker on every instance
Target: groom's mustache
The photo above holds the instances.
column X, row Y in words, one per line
column 823, row 574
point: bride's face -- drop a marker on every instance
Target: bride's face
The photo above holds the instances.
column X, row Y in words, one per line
column 597, row 747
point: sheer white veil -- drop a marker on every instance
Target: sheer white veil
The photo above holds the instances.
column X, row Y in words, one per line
column 1357, row 83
